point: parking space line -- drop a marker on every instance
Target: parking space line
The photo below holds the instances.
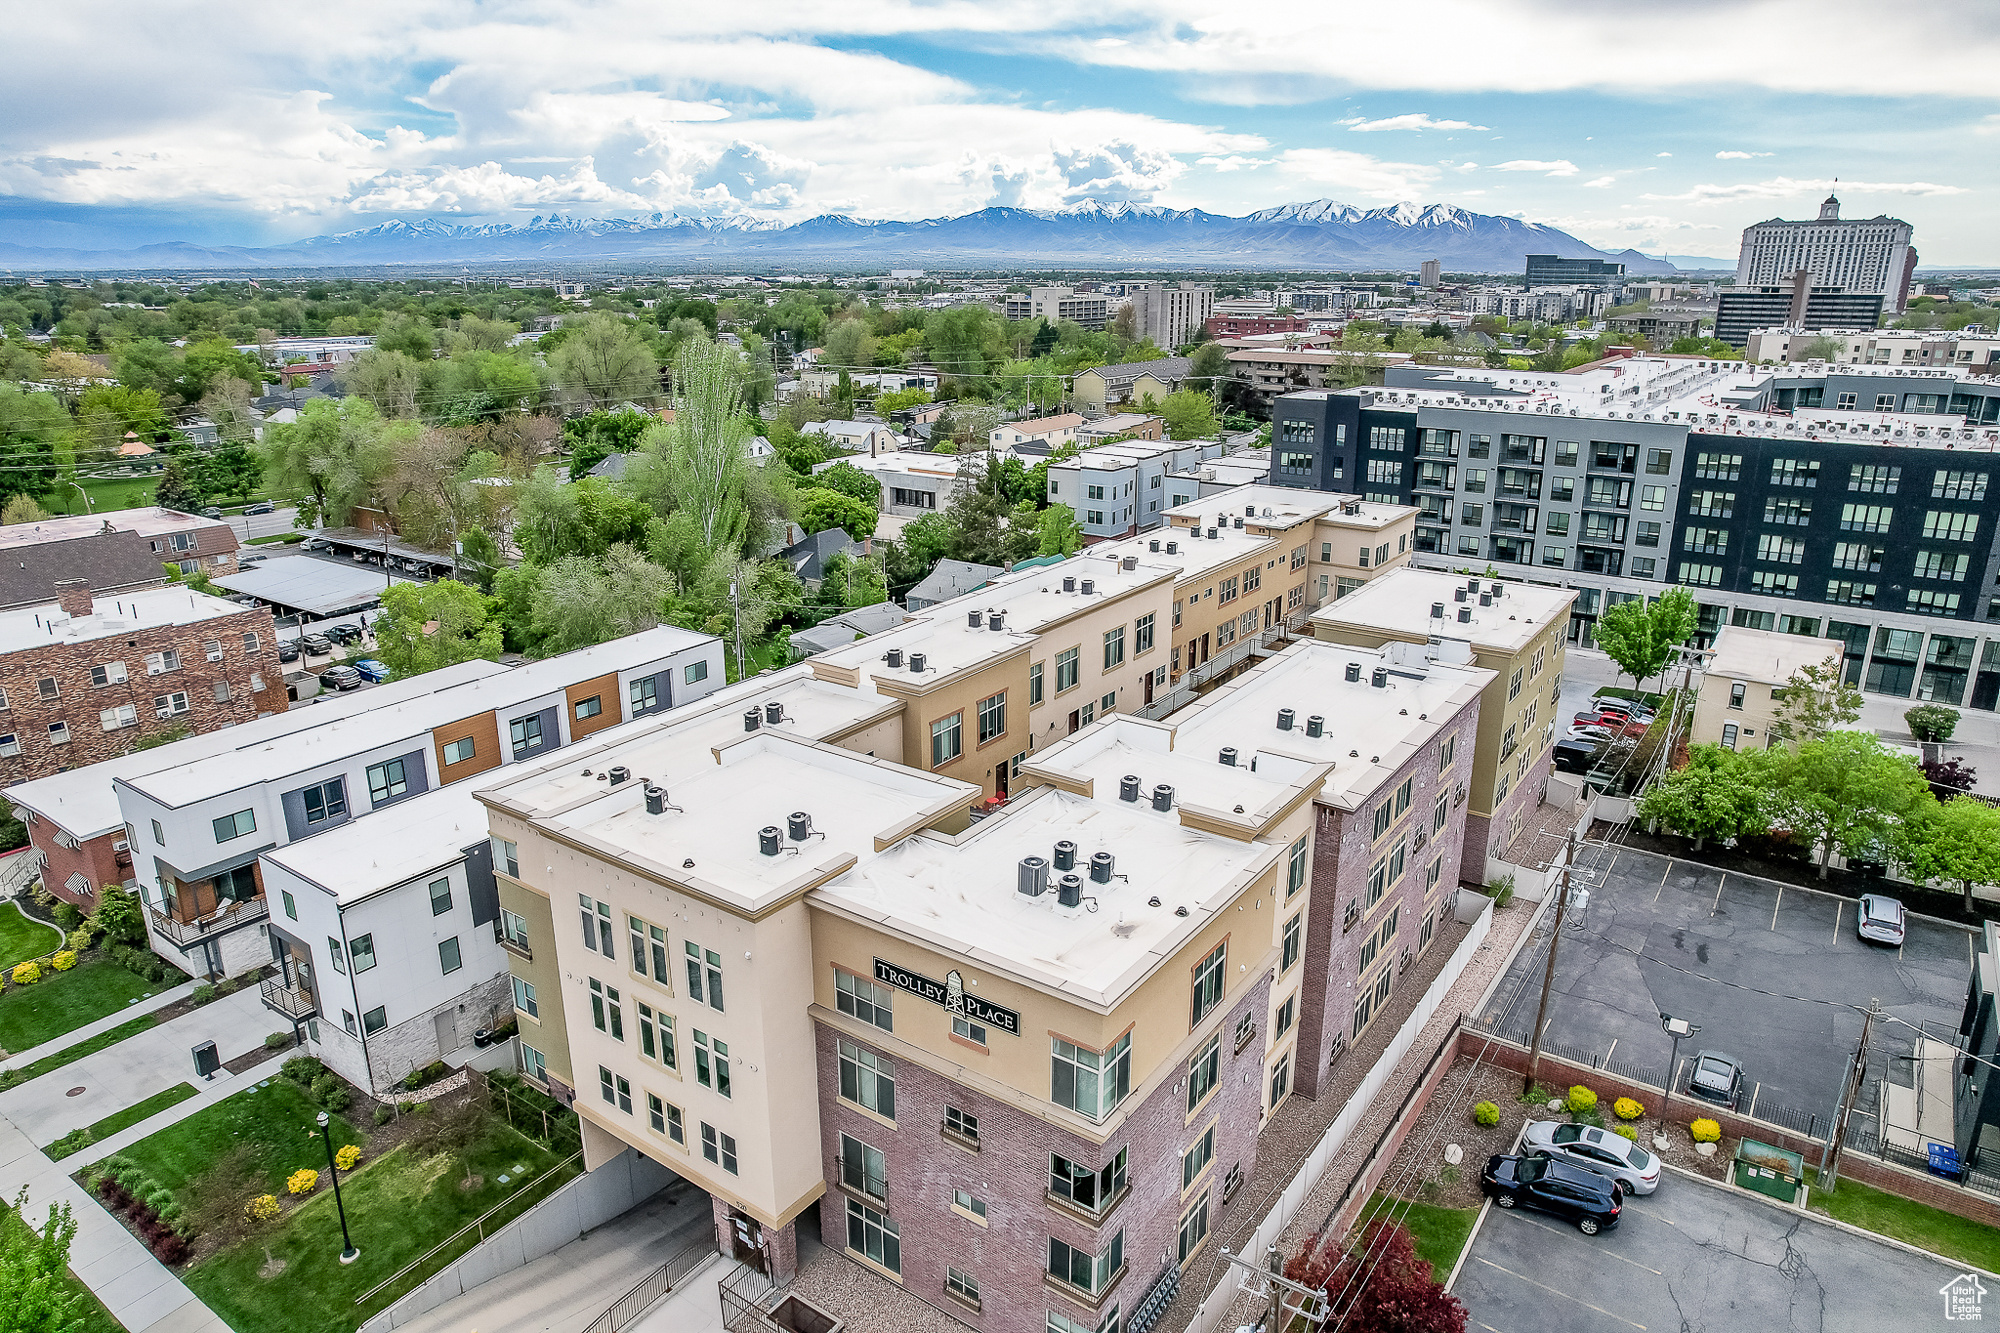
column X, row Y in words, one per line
column 1776, row 905
column 1565, row 1295
column 1560, row 1231
column 1836, row 921
column 1607, row 1054
column 1663, row 880
column 1717, row 904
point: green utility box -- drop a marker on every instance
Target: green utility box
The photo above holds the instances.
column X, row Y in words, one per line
column 1768, row 1170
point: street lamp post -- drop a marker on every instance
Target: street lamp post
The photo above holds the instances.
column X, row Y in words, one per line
column 349, row 1254
column 1676, row 1028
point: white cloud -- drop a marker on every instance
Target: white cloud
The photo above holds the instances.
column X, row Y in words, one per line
column 1600, row 182
column 1663, row 155
column 1784, row 187
column 1732, row 154
column 1412, row 121
column 1560, row 167
column 1310, row 172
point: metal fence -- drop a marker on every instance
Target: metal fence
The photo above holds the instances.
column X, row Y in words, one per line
column 746, row 1297
column 651, row 1287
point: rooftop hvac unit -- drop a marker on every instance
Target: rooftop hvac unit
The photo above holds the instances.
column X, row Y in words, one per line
column 1069, row 890
column 1285, row 716
column 1163, row 797
column 894, row 658
column 972, row 619
column 774, row 713
column 1065, row 855
column 1087, row 587
column 770, row 839
column 1101, row 864
column 1354, row 671
column 1228, row 756
column 1128, row 788
column 752, row 719
column 1032, row 876
column 1069, row 583
column 996, row 620
column 1173, row 548
column 917, row 663
column 1315, row 726
column 800, row 825
column 620, row 773
column 1379, row 678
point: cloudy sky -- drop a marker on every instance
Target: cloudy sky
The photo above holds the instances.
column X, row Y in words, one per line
column 1666, row 127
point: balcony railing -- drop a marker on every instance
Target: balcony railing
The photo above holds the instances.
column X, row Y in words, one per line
column 870, row 1184
column 289, row 1001
column 228, row 917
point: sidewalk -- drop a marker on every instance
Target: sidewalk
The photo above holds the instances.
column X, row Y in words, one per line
column 695, row 1307
column 159, row 1000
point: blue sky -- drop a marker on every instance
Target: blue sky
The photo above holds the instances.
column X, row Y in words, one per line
column 1666, row 128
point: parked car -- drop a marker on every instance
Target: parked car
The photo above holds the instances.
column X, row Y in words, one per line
column 316, row 643
column 211, row 512
column 1599, row 1150
column 1616, row 723
column 1716, row 1078
column 261, row 507
column 343, row 633
column 372, row 670
column 288, row 651
column 1578, row 755
column 339, row 678
column 1882, row 919
column 1638, row 712
column 1537, row 1180
column 317, row 544
column 1589, row 731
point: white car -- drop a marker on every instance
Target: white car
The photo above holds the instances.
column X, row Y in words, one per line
column 1597, row 1150
column 1881, row 919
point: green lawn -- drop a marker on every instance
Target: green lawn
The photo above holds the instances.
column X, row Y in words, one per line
column 1913, row 1223
column 106, row 493
column 22, row 938
column 64, row 1001
column 1440, row 1233
column 71, row 1054
column 125, row 1119
column 276, row 1121
column 397, row 1208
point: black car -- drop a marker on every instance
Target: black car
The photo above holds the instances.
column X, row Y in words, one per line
column 343, row 633
column 1717, row 1078
column 262, row 507
column 1576, row 756
column 316, row 643
column 288, row 651
column 340, row 678
column 1538, row 1181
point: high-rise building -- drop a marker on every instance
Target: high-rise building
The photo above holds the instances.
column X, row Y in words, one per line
column 1428, row 275
column 1554, row 271
column 1799, row 303
column 1171, row 314
column 1870, row 256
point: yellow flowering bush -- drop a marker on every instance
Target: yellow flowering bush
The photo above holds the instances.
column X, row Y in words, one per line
column 27, row 974
column 302, row 1181
column 347, row 1157
column 64, row 961
column 1627, row 1131
column 1705, row 1131
column 1627, row 1109
column 262, row 1208
column 1582, row 1099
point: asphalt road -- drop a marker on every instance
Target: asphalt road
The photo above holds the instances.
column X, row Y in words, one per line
column 262, row 525
column 1695, row 1258
column 1772, row 974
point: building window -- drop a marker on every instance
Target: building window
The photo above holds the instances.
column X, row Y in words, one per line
column 107, row 673
column 524, row 998
column 992, row 717
column 962, row 1285
column 589, row 708
column 966, row 1202
column 616, row 1089
column 597, row 930
column 385, row 780
column 241, row 823
column 514, row 928
column 328, row 800
column 1294, row 933
column 718, row 1147
column 867, row 1079
column 48, row 688
column 507, row 857
column 1142, row 634
column 1092, row 1083
column 963, row 1124
column 526, row 733
column 870, row 1234
column 1204, row 1070
column 458, row 751
column 440, row 896
column 374, row 1021
column 607, row 1010
column 656, row 1037
column 642, row 935
column 1287, row 1012
column 1085, row 1271
column 1295, row 869
column 448, row 959
column 338, row 955
column 534, row 1065
column 118, row 718
column 1281, row 1079
column 864, row 1000
column 1034, row 684
column 694, row 672
column 1873, row 479
column 1210, row 979
column 704, row 969
column 291, row 905
column 645, row 694
column 1958, row 486
column 969, row 1030
column 1198, row 1156
column 947, row 741
column 1940, row 525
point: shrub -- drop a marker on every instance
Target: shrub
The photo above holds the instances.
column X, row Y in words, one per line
column 1627, row 1109
column 1486, row 1115
column 63, row 961
column 345, row 1159
column 302, row 1181
column 1582, row 1099
column 78, row 940
column 1627, row 1131
column 1932, row 722
column 74, row 1141
column 67, row 915
column 277, row 1041
column 27, row 974
column 302, row 1070
column 1501, row 890
column 384, row 1114
column 171, row 1248
column 262, row 1208
column 227, row 986
column 1705, row 1131
column 203, row 995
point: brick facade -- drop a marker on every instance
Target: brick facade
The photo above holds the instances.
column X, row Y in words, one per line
column 74, row 870
column 1487, row 837
column 1009, row 1173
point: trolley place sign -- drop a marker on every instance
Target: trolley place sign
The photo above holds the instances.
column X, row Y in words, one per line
column 948, row 994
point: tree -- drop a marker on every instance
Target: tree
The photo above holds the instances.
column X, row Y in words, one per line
column 581, row 601
column 35, row 1291
column 1057, row 532
column 1209, row 367
column 412, row 335
column 702, row 458
column 1949, row 777
column 1823, row 348
column 34, row 430
column 848, row 344
column 21, row 509
column 553, row 519
column 1956, row 840
column 1378, row 1282
column 227, row 404
column 424, row 626
column 820, row 509
column 1720, row 794
column 855, row 581
column 852, row 482
column 117, row 917
column 603, row 362
column 1815, row 700
column 177, row 489
column 1846, row 790
column 1190, row 415
column 389, row 379
column 1932, row 722
column 1641, row 637
column 332, row 458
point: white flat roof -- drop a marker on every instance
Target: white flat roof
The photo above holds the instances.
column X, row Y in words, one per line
column 1762, row 655
column 85, row 802
column 112, row 617
column 305, row 583
column 1194, row 554
column 392, row 846
column 1121, row 746
column 149, row 521
column 1400, row 602
column 962, row 897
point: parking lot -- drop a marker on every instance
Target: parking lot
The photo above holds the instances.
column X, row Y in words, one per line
column 1694, row 1258
column 1665, row 936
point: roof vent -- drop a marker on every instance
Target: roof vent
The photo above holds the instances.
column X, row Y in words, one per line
column 1315, row 726
column 1032, row 876
column 894, row 657
column 1069, row 891
column 1228, row 756
column 1069, row 583
column 1354, row 671
column 1472, row 585
column 1065, row 855
column 1128, row 787
column 1101, row 864
column 1285, row 716
column 774, row 712
column 972, row 618
column 620, row 773
column 1173, row 548
column 1153, row 546
column 996, row 620
column 917, row 663
column 1163, row 797
column 1131, row 562
column 753, row 719
column 770, row 839
column 657, row 802
column 1379, row 678
column 1087, row 587
column 1250, row 511
column 1465, row 615
column 1437, row 610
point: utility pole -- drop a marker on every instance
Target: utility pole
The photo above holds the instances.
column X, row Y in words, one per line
column 1549, row 971
column 736, row 603
column 1275, row 1307
column 1829, row 1176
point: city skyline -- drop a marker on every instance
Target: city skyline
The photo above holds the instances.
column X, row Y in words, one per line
column 1666, row 133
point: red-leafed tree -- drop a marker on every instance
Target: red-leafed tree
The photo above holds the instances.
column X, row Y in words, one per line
column 1378, row 1284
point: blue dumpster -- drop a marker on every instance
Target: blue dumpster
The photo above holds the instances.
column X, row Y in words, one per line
column 1944, row 1161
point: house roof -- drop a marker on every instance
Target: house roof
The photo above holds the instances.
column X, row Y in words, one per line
column 114, row 562
column 808, row 558
column 845, row 628
column 611, row 467
column 1044, row 425
column 149, row 521
column 1166, row 368
column 950, row 578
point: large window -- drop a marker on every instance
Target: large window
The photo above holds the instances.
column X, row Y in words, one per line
column 872, row 1235
column 1066, row 670
column 711, row 1062
column 440, row 896
column 235, row 826
column 1294, row 934
column 1194, row 1228
column 1086, row 1271
column 656, row 1037
column 865, row 1000
column 704, row 975
column 525, row 733
column 607, row 1011
column 1088, row 1189
column 1142, row 632
column 448, row 959
column 1204, row 1071
column 1092, row 1083
column 386, row 780
column 1210, row 977
column 867, row 1079
column 863, row 1168
column 1034, row 684
column 947, row 739
column 1196, row 1159
column 649, row 945
column 598, row 934
column 718, row 1147
column 645, row 694
column 1114, row 647
column 458, row 751
column 1295, row 869
column 992, row 717
column 361, row 949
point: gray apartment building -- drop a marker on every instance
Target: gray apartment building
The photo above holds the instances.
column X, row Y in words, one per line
column 1119, row 489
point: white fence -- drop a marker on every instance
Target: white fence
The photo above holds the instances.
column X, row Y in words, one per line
column 1216, row 1307
column 590, row 1200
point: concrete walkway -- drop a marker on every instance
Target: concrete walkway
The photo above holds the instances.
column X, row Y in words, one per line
column 564, row 1291
column 159, row 1000
column 695, row 1307
column 136, row 1068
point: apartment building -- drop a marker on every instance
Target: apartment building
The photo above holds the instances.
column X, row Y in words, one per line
column 1551, row 270
column 1868, row 256
column 1217, row 476
column 1516, row 631
column 913, row 484
column 1118, row 489
column 1088, row 310
column 197, row 821
column 1171, row 314
column 195, row 544
column 84, row 679
column 1040, row 435
column 1134, row 382
column 1743, row 681
column 1261, row 375
column 1967, row 351
column 1800, row 300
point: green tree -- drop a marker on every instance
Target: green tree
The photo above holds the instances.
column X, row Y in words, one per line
column 391, row 380
column 603, row 362
column 1957, row 841
column 821, row 509
column 553, row 519
column 205, row 363
column 35, row 1291
column 701, row 461
column 424, row 626
column 34, row 431
column 852, row 581
column 1210, row 367
column 1815, row 700
column 1932, row 722
column 333, row 458
column 1057, row 532
column 148, row 364
column 117, row 918
column 412, row 335
column 1641, row 637
column 852, row 482
column 1190, row 415
column 1823, row 348
column 1846, row 790
column 1720, row 794
column 582, row 601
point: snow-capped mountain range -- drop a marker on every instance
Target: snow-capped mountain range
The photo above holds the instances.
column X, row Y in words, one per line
column 1320, row 234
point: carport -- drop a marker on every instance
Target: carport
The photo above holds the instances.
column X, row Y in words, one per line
column 299, row 585
column 386, row 549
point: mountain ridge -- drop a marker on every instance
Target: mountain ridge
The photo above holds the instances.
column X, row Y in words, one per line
column 1310, row 234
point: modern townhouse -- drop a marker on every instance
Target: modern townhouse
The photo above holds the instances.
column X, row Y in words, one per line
column 1118, row 489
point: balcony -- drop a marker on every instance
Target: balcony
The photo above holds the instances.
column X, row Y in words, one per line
column 225, row 918
column 865, row 1179
column 289, row 1001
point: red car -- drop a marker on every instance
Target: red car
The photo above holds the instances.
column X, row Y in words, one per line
column 1616, row 723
